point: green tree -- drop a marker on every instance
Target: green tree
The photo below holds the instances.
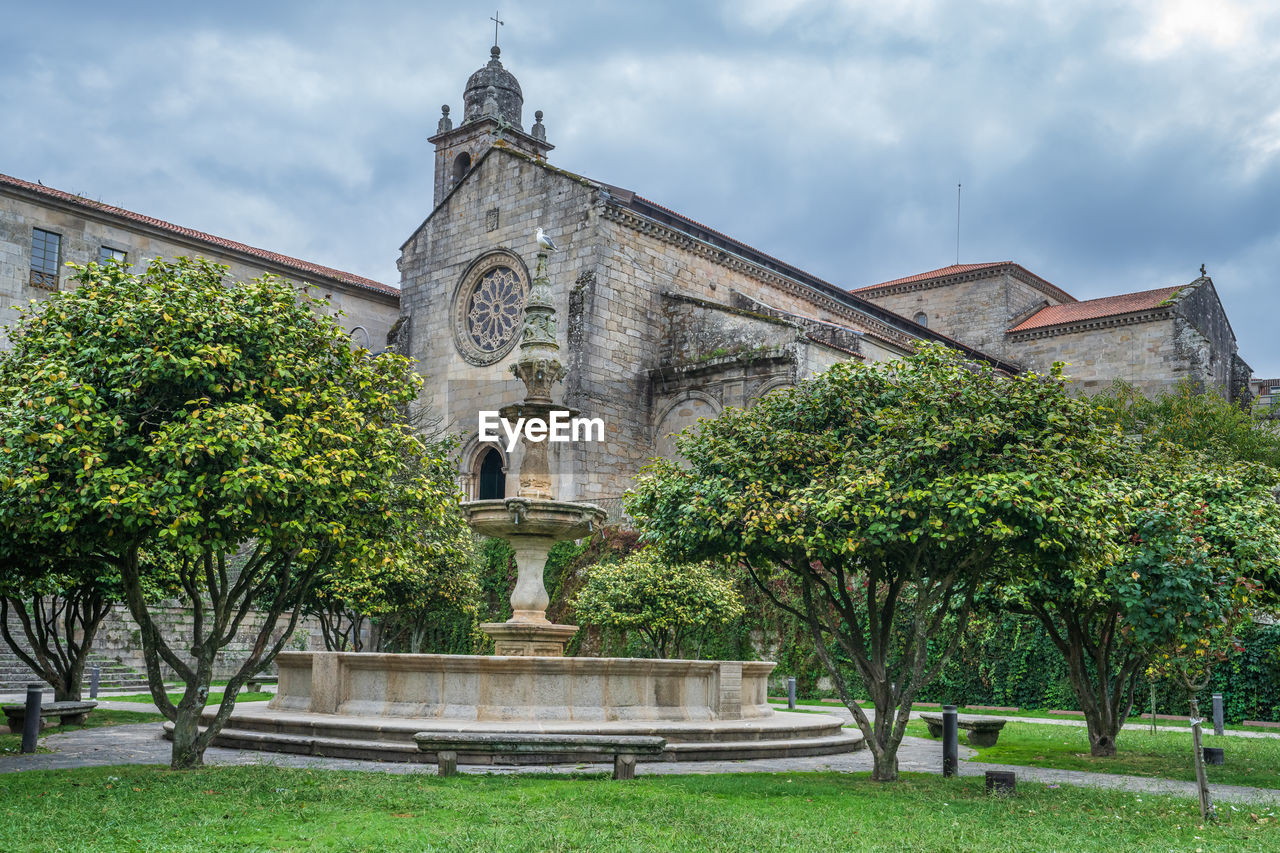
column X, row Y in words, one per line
column 671, row 606
column 893, row 494
column 1102, row 614
column 1193, row 418
column 227, row 426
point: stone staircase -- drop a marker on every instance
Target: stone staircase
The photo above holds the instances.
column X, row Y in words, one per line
column 16, row 675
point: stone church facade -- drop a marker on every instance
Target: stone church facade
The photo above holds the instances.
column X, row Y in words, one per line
column 663, row 320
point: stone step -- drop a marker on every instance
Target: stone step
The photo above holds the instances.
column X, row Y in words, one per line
column 233, row 737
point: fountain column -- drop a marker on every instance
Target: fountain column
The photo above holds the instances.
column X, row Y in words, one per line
column 533, row 521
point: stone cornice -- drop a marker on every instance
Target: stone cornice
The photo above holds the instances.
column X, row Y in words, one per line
column 1012, row 270
column 1163, row 313
column 672, row 236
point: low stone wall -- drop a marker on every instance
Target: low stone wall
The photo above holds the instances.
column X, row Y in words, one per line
column 121, row 638
column 466, row 687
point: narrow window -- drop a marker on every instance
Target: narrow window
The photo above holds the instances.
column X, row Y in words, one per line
column 493, row 480
column 45, row 251
column 106, row 253
column 461, row 166
column 922, row 319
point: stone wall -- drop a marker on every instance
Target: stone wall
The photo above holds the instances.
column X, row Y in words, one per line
column 975, row 311
column 369, row 314
column 120, row 638
column 1150, row 355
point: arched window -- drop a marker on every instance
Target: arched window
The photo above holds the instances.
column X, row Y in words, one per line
column 461, row 166
column 492, row 482
column 922, row 319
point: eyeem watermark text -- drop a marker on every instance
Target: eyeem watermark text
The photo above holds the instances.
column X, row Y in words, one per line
column 560, row 427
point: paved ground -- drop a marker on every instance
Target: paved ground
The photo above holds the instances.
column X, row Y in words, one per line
column 143, row 744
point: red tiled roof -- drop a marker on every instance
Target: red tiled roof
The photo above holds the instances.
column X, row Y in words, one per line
column 1095, row 309
column 954, row 269
column 220, row 242
column 961, row 269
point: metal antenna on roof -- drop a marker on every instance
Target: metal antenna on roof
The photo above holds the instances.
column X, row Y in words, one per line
column 957, row 224
column 496, row 24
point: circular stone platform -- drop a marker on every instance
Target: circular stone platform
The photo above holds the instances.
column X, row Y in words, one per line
column 357, row 705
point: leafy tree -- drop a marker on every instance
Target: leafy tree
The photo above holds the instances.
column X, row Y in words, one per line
column 1103, row 615
column 57, row 608
column 893, row 494
column 1193, row 418
column 669, row 605
column 227, row 426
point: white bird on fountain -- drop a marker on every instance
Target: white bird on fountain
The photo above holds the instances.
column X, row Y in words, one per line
column 545, row 242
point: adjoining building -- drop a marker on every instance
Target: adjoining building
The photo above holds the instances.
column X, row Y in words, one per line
column 42, row 229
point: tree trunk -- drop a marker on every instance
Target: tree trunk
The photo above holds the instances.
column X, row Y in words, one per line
column 884, row 766
column 1202, row 778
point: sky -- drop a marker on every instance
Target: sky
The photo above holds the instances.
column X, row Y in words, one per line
column 1108, row 147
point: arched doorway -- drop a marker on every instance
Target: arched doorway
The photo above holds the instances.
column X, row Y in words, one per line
column 491, row 484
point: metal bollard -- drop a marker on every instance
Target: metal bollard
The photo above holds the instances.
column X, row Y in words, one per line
column 791, row 693
column 31, row 723
column 950, row 740
column 1217, row 714
column 95, row 675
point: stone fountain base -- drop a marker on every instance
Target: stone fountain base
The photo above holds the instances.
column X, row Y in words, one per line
column 355, row 705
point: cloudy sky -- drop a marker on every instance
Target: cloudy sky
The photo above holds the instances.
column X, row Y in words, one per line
column 1107, row 146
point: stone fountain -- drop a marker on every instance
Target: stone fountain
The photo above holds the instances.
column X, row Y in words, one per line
column 533, row 521
column 370, row 705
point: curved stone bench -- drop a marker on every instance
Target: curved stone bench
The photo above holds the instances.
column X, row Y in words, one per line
column 981, row 731
column 69, row 713
column 537, row 747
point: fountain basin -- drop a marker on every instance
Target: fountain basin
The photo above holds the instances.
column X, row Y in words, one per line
column 360, row 705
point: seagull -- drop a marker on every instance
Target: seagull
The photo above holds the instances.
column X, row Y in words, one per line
column 546, row 242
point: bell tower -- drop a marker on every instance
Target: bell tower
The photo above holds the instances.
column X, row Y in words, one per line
column 492, row 108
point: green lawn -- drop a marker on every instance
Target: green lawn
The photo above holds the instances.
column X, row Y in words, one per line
column 176, row 695
column 101, row 717
column 1249, row 761
column 1041, row 714
column 266, row 808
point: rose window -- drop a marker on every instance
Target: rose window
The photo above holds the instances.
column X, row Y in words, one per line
column 495, row 309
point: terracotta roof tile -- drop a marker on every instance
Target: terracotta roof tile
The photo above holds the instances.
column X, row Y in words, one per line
column 961, row 269
column 220, row 242
column 1095, row 309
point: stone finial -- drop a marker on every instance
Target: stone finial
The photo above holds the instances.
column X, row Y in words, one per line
column 1202, row 272
column 538, row 131
column 446, row 123
column 494, row 53
column 490, row 107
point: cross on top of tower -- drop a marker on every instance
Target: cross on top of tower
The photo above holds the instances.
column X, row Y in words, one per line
column 496, row 24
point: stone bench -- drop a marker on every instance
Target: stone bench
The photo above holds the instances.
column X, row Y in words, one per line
column 538, row 748
column 69, row 713
column 982, row 731
column 254, row 685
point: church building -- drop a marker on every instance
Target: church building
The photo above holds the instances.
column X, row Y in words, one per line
column 664, row 320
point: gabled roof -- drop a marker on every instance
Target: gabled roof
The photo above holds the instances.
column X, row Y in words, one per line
column 962, row 272
column 97, row 207
column 1096, row 309
column 655, row 212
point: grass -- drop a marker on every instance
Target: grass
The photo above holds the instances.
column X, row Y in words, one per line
column 11, row 743
column 1041, row 714
column 176, row 696
column 1249, row 761
column 268, row 808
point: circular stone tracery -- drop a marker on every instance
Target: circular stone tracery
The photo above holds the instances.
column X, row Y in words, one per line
column 489, row 309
